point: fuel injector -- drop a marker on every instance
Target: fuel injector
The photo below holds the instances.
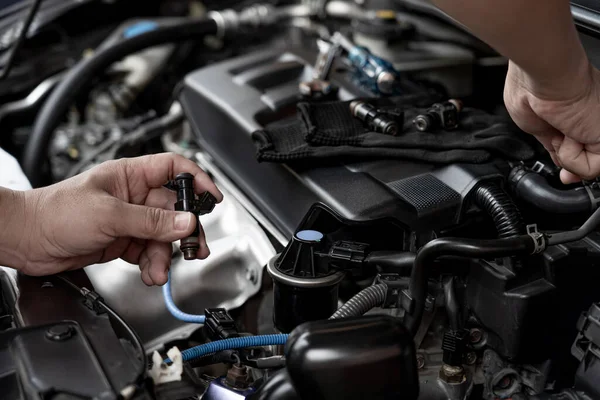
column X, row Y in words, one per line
column 198, row 205
column 381, row 121
column 440, row 115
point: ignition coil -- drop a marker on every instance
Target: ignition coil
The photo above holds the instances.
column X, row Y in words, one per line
column 197, row 205
column 440, row 115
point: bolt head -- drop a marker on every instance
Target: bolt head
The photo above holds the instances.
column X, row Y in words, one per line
column 475, row 335
column 452, row 374
column 420, row 361
column 470, row 358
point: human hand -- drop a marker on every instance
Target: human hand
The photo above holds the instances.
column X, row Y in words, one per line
column 562, row 115
column 118, row 209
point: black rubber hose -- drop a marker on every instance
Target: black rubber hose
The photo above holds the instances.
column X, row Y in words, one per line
column 79, row 76
column 536, row 190
column 572, row 236
column 452, row 307
column 498, row 204
column 363, row 301
column 472, row 248
column 392, row 261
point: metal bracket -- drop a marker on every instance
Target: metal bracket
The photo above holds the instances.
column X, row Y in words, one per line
column 539, row 239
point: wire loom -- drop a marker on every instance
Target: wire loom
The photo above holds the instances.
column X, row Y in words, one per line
column 229, row 344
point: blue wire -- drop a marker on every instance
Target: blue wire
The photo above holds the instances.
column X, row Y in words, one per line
column 176, row 312
column 230, row 344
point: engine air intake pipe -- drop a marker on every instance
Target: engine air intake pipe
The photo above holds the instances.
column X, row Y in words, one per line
column 536, row 190
column 498, row 204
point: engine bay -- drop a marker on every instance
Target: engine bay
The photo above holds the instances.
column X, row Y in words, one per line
column 387, row 231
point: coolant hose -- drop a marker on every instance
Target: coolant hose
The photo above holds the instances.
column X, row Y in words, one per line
column 536, row 190
column 230, row 344
column 414, row 298
column 363, row 301
column 176, row 312
column 498, row 204
column 75, row 81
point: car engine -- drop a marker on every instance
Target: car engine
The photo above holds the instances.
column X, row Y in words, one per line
column 387, row 231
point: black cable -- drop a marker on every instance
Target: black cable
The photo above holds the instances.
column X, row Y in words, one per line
column 472, row 248
column 79, row 76
column 363, row 301
column 12, row 56
column 498, row 204
column 133, row 336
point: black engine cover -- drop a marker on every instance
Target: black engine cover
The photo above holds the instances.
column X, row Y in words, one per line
column 228, row 101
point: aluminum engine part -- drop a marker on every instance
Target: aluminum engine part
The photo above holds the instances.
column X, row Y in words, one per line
column 228, row 278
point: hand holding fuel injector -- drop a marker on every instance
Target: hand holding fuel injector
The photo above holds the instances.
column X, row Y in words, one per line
column 118, row 209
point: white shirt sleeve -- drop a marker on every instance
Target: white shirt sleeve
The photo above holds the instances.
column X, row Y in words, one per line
column 11, row 175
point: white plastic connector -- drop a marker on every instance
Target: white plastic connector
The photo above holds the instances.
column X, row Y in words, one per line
column 163, row 373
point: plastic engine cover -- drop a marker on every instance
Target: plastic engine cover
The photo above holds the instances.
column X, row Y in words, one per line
column 227, row 101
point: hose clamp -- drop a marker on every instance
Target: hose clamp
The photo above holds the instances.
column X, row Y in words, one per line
column 595, row 200
column 539, row 239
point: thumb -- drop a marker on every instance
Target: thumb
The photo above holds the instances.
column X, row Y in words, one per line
column 144, row 222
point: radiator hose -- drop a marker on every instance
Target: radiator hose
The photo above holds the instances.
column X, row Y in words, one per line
column 498, row 204
column 537, row 191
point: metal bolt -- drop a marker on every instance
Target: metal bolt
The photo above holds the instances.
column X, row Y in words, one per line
column 476, row 335
column 452, row 374
column 470, row 358
column 420, row 361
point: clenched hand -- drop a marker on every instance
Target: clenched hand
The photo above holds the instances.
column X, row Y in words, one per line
column 564, row 117
column 118, row 209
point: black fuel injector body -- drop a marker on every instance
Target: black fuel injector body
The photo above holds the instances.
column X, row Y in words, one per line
column 439, row 116
column 388, row 122
column 197, row 205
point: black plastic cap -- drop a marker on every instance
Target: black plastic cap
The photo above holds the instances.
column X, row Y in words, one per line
column 302, row 258
column 355, row 358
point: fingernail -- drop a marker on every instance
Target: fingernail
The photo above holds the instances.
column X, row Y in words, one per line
column 183, row 221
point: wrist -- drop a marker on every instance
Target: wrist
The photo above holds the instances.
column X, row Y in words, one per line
column 561, row 82
column 13, row 217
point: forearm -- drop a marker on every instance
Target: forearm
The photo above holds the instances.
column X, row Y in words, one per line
column 12, row 220
column 537, row 35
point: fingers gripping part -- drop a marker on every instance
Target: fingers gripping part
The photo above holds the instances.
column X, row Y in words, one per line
column 198, row 205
